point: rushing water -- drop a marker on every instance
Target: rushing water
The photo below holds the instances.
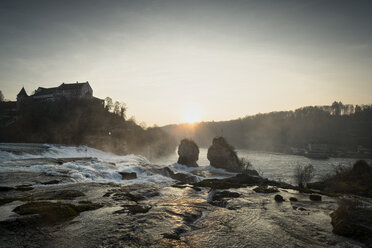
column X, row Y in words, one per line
column 105, row 167
column 275, row 166
column 177, row 217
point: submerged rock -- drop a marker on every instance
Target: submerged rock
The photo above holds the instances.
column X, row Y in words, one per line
column 53, row 212
column 224, row 194
column 59, row 195
column 4, row 188
column 222, row 155
column 182, row 177
column 128, row 175
column 51, row 182
column 315, row 197
column 293, row 199
column 279, row 198
column 133, row 209
column 188, row 153
column 24, row 188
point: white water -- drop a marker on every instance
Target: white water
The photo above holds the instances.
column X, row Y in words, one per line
column 105, row 167
column 277, row 166
column 102, row 167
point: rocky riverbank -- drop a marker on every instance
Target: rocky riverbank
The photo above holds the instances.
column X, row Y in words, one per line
column 174, row 214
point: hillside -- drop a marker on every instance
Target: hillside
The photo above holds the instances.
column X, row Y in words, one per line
column 343, row 128
column 83, row 122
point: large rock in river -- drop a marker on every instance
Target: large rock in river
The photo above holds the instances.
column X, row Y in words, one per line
column 188, row 153
column 352, row 219
column 222, row 155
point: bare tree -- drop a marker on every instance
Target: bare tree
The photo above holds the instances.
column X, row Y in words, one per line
column 303, row 175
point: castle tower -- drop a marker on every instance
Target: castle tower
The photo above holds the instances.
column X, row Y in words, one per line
column 22, row 95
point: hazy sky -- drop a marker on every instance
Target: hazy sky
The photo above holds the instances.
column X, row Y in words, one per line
column 165, row 59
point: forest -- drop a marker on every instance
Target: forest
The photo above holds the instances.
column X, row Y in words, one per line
column 91, row 122
column 342, row 127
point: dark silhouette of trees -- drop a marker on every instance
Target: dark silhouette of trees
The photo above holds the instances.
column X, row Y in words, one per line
column 86, row 122
column 108, row 104
column 1, row 96
column 340, row 126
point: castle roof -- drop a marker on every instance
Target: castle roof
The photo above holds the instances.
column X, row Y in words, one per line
column 73, row 86
column 45, row 91
column 22, row 92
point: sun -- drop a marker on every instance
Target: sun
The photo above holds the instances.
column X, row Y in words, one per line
column 192, row 114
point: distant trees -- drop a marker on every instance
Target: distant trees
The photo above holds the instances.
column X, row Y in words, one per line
column 1, row 96
column 108, row 104
column 87, row 122
column 118, row 108
column 340, row 126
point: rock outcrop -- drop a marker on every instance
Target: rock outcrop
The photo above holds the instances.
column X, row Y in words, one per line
column 188, row 153
column 354, row 221
column 222, row 155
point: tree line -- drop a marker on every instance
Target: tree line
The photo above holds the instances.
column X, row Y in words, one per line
column 342, row 127
column 86, row 122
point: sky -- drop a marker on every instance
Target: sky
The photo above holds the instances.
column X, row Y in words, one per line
column 173, row 61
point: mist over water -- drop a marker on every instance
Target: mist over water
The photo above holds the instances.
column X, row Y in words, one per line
column 86, row 164
column 93, row 165
column 276, row 166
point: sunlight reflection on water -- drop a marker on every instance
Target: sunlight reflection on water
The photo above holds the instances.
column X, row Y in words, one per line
column 276, row 166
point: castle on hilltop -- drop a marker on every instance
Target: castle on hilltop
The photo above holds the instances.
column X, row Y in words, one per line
column 68, row 91
column 10, row 110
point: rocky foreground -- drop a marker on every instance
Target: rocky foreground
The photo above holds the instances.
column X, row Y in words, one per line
column 244, row 211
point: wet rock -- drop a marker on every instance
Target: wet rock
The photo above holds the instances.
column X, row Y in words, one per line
column 315, row 197
column 188, row 153
column 219, row 198
column 265, row 189
column 250, row 172
column 354, row 221
column 126, row 196
column 4, row 201
column 4, row 188
column 51, row 182
column 293, row 199
column 196, row 188
column 224, row 194
column 107, row 194
column 278, row 198
column 171, row 235
column 238, row 181
column 175, row 234
column 222, row 155
column 26, row 187
column 128, row 175
column 59, row 195
column 133, row 209
column 361, row 167
column 180, row 186
column 51, row 212
column 182, row 177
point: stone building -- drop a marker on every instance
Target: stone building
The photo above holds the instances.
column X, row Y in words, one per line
column 68, row 91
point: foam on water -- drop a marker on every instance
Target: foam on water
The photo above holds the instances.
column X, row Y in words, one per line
column 103, row 167
column 93, row 165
